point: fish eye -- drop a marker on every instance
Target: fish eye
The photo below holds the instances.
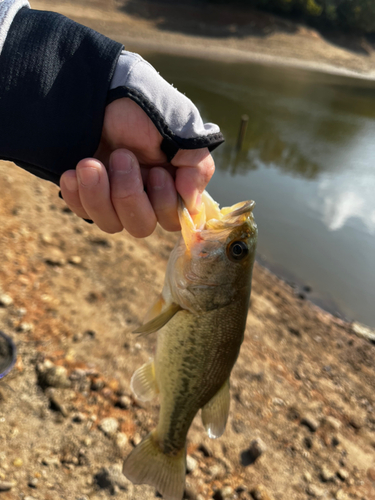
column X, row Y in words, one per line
column 237, row 250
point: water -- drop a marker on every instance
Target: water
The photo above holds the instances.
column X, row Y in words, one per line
column 308, row 161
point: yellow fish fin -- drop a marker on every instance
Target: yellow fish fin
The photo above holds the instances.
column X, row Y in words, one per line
column 159, row 321
column 215, row 412
column 155, row 309
column 143, row 382
column 147, row 464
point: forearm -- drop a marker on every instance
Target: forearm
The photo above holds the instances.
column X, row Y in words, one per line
column 54, row 79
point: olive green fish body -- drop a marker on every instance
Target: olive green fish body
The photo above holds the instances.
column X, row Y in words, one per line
column 200, row 317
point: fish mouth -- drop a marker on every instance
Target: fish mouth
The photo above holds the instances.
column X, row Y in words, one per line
column 211, row 219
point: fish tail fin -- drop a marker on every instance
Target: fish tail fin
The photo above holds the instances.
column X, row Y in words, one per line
column 147, row 464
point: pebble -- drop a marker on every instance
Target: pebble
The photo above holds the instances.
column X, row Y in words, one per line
column 78, row 418
column 122, row 440
column 332, row 422
column 109, row 426
column 191, row 464
column 341, row 495
column 314, row 491
column 343, row 474
column 216, row 471
column 18, row 462
column 55, row 402
column 33, row 482
column 6, row 485
column 227, row 492
column 54, row 258
column 260, row 493
column 326, row 475
column 310, row 422
column 111, row 478
column 75, row 260
column 5, row 300
column 256, row 449
column 50, row 375
column 25, row 327
column 124, row 402
column 307, row 477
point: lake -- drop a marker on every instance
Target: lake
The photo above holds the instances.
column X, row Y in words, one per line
column 308, row 161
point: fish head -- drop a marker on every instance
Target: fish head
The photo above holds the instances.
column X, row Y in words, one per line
column 213, row 260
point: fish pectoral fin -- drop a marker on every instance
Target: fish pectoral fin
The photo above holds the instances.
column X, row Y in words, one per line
column 159, row 321
column 215, row 412
column 143, row 382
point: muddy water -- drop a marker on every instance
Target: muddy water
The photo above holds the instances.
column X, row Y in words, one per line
column 308, row 160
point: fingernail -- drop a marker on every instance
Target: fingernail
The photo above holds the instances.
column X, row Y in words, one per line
column 158, row 179
column 88, row 176
column 121, row 162
column 71, row 183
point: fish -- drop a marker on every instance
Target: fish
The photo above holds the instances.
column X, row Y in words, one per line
column 200, row 317
column 8, row 354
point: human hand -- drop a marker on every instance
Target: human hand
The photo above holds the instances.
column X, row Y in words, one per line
column 109, row 189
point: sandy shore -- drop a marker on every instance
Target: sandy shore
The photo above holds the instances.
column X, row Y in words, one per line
column 70, row 296
column 219, row 32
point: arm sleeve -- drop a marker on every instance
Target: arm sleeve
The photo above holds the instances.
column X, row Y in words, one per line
column 54, row 78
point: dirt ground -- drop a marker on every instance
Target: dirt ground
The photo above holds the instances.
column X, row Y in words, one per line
column 302, row 420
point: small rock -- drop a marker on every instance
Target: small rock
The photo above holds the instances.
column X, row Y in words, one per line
column 256, row 449
column 97, row 384
column 260, row 493
column 18, row 462
column 33, row 483
column 307, row 477
column 206, row 452
column 51, row 461
column 332, row 422
column 55, row 403
column 54, row 258
column 5, row 300
column 28, row 497
column 191, row 464
column 364, row 331
column 124, row 402
column 343, row 474
column 216, row 470
column 75, row 260
column 341, row 495
column 227, row 492
column 136, row 439
column 314, row 491
column 50, row 375
column 122, row 440
column 326, row 475
column 25, row 327
column 78, row 418
column 310, row 422
column 109, row 426
column 6, row 485
column 111, row 478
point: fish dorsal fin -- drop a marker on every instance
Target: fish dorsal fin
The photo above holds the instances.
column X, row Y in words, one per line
column 215, row 412
column 143, row 382
column 157, row 322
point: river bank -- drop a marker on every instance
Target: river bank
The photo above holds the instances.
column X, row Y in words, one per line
column 302, row 419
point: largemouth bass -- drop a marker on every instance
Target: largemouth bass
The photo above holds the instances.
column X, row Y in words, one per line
column 200, row 317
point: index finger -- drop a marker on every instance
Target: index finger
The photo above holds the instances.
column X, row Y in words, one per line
column 195, row 167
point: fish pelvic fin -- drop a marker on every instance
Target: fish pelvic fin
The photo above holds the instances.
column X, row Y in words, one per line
column 147, row 464
column 215, row 412
column 157, row 322
column 143, row 382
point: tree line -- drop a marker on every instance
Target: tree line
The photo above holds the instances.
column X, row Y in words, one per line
column 354, row 15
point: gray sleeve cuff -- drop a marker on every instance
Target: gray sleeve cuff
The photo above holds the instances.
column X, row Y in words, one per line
column 8, row 10
column 175, row 116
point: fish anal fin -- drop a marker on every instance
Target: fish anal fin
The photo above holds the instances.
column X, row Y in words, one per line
column 143, row 382
column 215, row 412
column 159, row 321
column 147, row 464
